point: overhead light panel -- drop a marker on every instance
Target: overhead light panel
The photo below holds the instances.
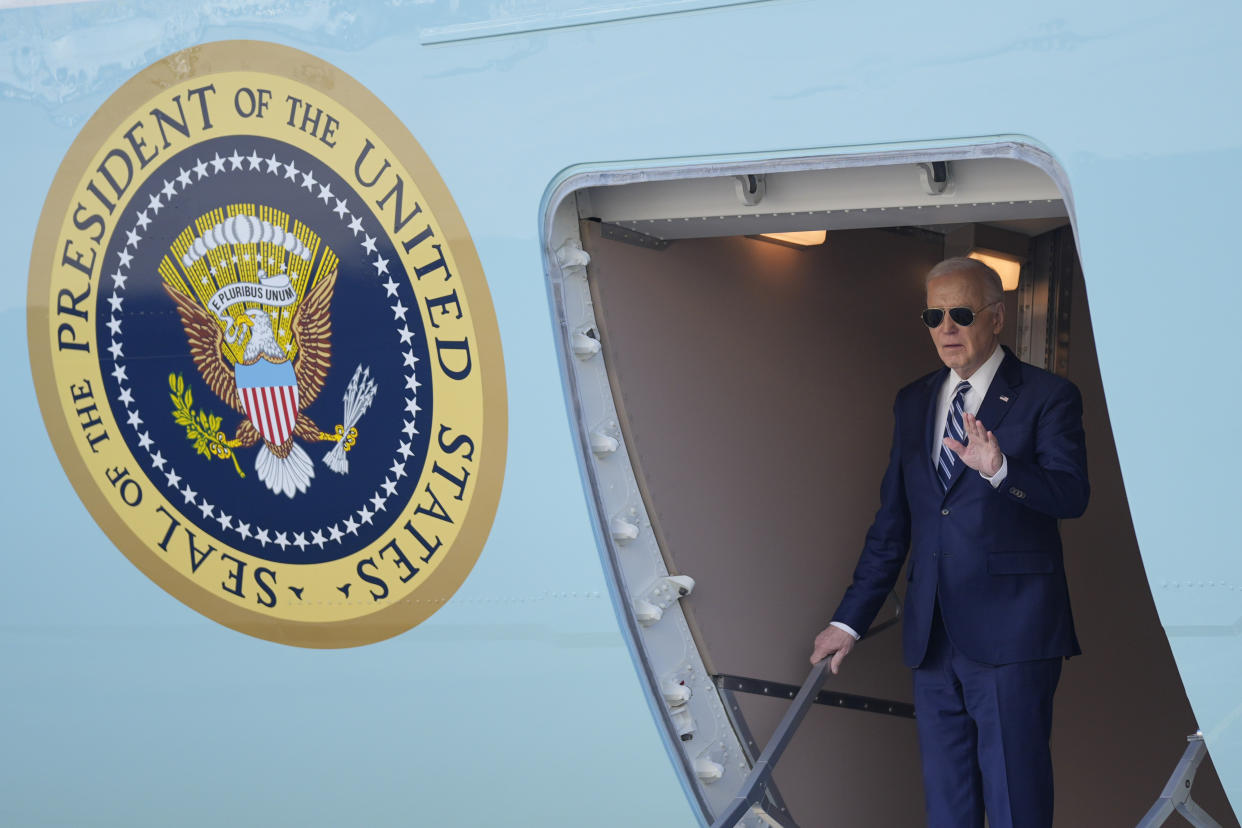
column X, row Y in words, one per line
column 1009, row 267
column 800, row 238
column 1002, row 250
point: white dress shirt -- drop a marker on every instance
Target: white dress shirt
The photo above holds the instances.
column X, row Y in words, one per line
column 980, row 381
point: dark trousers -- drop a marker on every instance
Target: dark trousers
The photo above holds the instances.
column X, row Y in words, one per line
column 983, row 736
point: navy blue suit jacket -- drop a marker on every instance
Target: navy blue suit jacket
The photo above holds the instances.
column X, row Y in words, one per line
column 993, row 556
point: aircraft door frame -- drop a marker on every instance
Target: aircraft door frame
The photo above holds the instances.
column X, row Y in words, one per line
column 645, row 589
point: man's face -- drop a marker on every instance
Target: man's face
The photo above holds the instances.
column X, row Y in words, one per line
column 964, row 349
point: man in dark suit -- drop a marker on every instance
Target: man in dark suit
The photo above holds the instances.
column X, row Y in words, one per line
column 988, row 454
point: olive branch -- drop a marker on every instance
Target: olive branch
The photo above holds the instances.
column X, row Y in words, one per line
column 201, row 428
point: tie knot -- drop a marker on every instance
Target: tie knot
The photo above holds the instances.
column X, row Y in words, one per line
column 962, row 388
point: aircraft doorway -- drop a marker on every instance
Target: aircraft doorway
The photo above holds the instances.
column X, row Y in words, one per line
column 753, row 386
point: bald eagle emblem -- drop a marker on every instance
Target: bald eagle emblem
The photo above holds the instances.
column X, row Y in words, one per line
column 263, row 343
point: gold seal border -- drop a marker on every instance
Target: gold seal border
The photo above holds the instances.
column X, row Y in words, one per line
column 283, row 61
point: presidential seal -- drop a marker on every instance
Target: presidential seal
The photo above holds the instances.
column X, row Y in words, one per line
column 265, row 350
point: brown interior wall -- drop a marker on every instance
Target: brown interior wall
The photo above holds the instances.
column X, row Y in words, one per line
column 757, row 384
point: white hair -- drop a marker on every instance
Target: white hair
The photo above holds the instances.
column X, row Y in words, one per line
column 989, row 279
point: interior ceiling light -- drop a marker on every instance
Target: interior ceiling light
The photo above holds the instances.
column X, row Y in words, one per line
column 802, row 238
column 1007, row 266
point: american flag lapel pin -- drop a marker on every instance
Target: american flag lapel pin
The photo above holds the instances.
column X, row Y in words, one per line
column 1004, row 398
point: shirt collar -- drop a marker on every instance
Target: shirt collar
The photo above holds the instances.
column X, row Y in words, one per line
column 981, row 380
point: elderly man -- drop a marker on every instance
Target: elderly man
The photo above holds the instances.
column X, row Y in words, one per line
column 988, row 454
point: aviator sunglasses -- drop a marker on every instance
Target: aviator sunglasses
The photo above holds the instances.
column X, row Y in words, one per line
column 964, row 317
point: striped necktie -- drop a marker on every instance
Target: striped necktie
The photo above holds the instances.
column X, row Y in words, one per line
column 952, row 428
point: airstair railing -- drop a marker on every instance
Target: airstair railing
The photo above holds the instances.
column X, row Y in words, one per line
column 753, row 789
column 1176, row 794
column 758, row 788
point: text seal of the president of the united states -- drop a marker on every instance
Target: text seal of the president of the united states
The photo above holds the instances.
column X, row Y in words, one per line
column 265, row 350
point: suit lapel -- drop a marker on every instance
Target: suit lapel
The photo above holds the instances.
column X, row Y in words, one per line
column 1000, row 398
column 1002, row 393
column 935, row 430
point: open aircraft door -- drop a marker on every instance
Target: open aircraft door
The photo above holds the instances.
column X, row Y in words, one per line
column 732, row 394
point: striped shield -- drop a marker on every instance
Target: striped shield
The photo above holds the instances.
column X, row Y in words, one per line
column 269, row 395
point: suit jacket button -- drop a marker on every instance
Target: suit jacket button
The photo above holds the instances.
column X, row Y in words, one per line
column 944, row 511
